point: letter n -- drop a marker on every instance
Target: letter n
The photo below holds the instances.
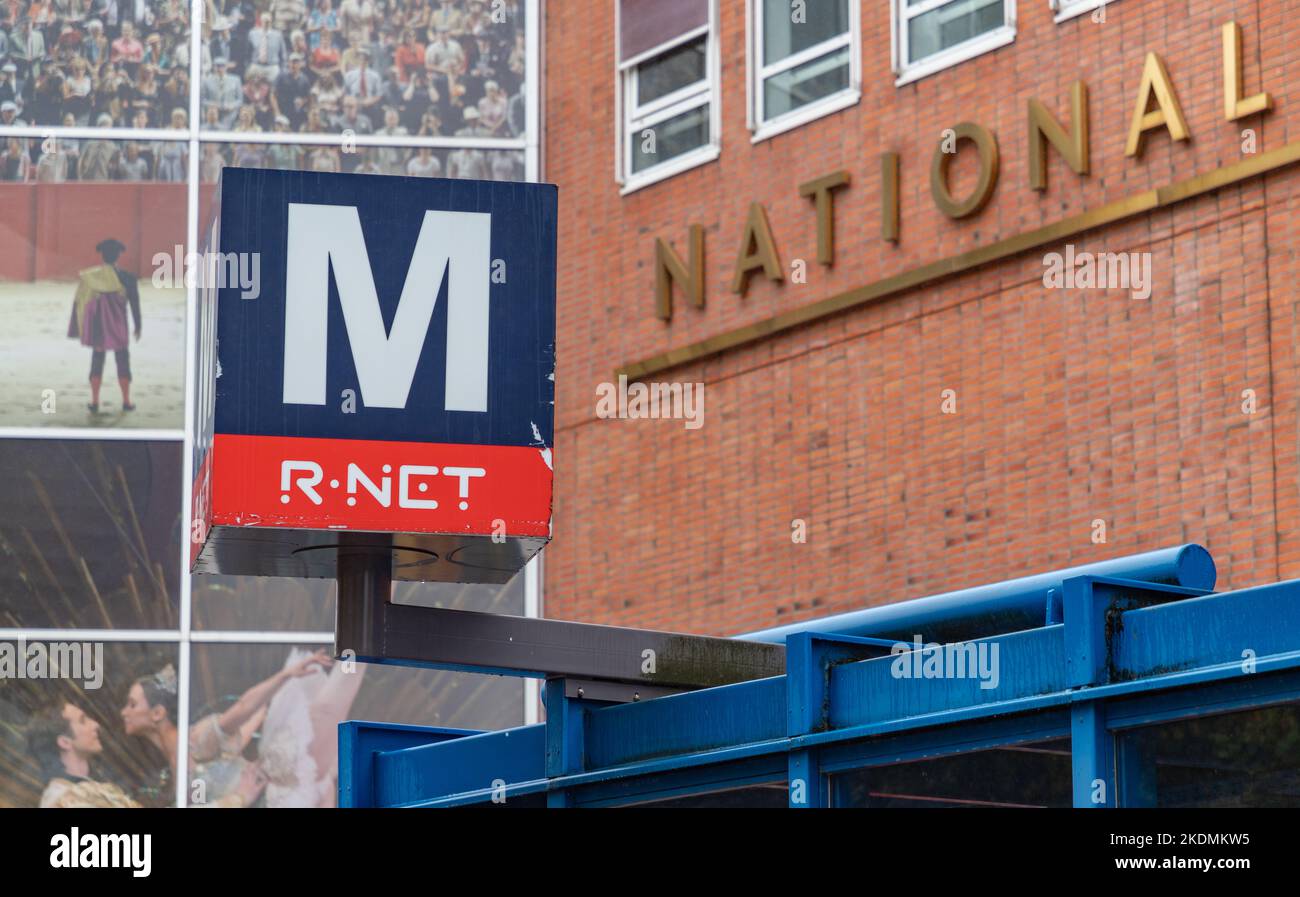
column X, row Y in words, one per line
column 670, row 269
column 1044, row 129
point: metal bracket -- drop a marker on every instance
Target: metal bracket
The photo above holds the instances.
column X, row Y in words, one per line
column 1093, row 608
column 378, row 631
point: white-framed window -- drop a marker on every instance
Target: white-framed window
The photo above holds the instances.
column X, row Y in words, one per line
column 805, row 61
column 931, row 35
column 1068, row 9
column 668, row 92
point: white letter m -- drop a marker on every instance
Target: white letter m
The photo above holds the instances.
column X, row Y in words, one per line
column 451, row 245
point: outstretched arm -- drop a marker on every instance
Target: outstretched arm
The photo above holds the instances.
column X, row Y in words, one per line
column 260, row 694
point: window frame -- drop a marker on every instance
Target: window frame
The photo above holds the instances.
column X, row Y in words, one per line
column 906, row 72
column 1064, row 10
column 632, row 118
column 759, row 73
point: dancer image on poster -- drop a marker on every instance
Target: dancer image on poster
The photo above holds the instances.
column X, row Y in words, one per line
column 217, row 741
column 65, row 741
column 99, row 319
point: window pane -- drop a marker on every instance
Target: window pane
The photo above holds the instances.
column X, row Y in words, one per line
column 91, row 533
column 789, row 28
column 447, row 69
column 1028, row 775
column 670, row 138
column 1249, row 759
column 117, row 70
column 951, row 24
column 804, row 84
column 281, row 604
column 678, row 68
column 70, row 196
column 85, row 704
column 295, row 739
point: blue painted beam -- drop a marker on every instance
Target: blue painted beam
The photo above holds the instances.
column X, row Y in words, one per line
column 360, row 742
column 484, row 762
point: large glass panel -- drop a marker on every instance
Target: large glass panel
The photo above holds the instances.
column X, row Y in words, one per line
column 774, row 795
column 92, row 267
column 307, row 605
column 478, row 164
column 279, row 707
column 448, row 67
column 807, row 83
column 65, row 740
column 1027, row 775
column 789, row 28
column 670, row 138
column 669, row 72
column 1248, row 759
column 952, row 24
column 90, row 534
column 95, row 63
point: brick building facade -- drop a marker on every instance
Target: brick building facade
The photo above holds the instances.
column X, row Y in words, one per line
column 1169, row 418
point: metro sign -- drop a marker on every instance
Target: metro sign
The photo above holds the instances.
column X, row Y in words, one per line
column 393, row 375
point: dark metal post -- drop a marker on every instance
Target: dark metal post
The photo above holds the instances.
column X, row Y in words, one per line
column 365, row 577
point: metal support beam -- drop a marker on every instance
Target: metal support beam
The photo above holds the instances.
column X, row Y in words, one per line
column 378, row 631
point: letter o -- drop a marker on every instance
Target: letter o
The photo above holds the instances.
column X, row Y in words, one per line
column 987, row 145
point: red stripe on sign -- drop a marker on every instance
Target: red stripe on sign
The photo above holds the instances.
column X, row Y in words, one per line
column 407, row 487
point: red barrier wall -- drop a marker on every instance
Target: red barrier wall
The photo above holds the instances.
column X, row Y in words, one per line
column 49, row 231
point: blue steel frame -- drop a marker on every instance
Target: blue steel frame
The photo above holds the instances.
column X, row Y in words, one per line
column 1116, row 654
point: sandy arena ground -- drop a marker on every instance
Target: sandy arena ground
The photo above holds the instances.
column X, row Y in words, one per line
column 36, row 354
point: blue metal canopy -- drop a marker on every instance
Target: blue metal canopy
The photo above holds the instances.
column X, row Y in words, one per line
column 1124, row 683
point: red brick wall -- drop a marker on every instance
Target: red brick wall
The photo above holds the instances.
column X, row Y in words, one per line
column 1072, row 405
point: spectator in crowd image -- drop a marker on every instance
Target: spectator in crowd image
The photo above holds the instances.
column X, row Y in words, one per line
column 424, row 164
column 325, row 59
column 26, row 49
column 127, row 50
column 492, row 110
column 246, row 121
column 174, row 155
column 288, row 14
column 9, row 114
column 408, row 57
column 65, row 741
column 77, row 92
column 357, row 18
column 211, row 163
column 352, row 119
column 363, row 82
column 14, row 163
column 132, row 166
column 220, row 44
column 98, row 157
column 293, row 92
column 9, row 84
column 327, row 94
column 268, row 50
column 322, row 19
column 223, row 91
